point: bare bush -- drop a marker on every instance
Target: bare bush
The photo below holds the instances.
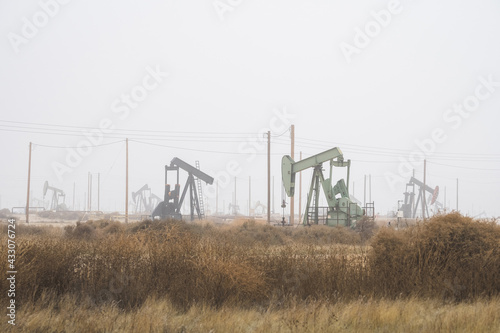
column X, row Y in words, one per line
column 450, row 257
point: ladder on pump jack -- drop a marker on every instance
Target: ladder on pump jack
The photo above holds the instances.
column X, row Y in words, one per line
column 200, row 193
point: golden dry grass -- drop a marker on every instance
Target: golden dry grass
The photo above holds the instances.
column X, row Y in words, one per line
column 65, row 314
column 443, row 275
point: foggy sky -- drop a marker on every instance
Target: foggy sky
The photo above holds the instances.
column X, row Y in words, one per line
column 389, row 82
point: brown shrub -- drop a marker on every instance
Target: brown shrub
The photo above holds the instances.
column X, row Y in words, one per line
column 80, row 231
column 5, row 213
column 324, row 235
column 114, row 227
column 450, row 255
column 366, row 228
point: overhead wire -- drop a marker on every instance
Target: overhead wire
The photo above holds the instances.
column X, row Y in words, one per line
column 329, row 143
column 217, row 137
column 140, row 136
column 127, row 130
column 97, row 145
column 181, row 136
column 463, row 167
column 202, row 150
column 187, row 136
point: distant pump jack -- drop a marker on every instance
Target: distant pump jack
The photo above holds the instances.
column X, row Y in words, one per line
column 171, row 205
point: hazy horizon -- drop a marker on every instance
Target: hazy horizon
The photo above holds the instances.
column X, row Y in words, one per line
column 388, row 82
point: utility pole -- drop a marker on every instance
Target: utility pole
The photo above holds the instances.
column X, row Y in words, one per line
column 98, row 192
column 28, row 195
column 268, row 176
column 300, row 192
column 457, row 194
column 88, row 191
column 292, row 200
column 126, row 181
column 90, row 197
column 423, row 192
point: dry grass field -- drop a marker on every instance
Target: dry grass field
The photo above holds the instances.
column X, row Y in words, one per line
column 439, row 276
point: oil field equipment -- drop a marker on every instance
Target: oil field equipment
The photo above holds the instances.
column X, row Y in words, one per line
column 154, row 201
column 341, row 209
column 410, row 207
column 258, row 209
column 58, row 197
column 171, row 205
column 234, row 209
column 145, row 200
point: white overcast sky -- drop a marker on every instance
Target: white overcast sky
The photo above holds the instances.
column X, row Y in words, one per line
column 232, row 66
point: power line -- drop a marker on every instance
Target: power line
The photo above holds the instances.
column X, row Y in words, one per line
column 137, row 136
column 278, row 135
column 142, row 136
column 232, row 137
column 128, row 130
column 202, row 150
column 463, row 167
column 159, row 145
column 309, row 142
column 99, row 145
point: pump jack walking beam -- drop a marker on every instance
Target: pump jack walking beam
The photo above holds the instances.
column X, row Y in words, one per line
column 290, row 167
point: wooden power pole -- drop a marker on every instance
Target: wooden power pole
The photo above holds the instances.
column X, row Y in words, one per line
column 90, row 193
column 292, row 201
column 99, row 192
column 126, row 181
column 268, row 176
